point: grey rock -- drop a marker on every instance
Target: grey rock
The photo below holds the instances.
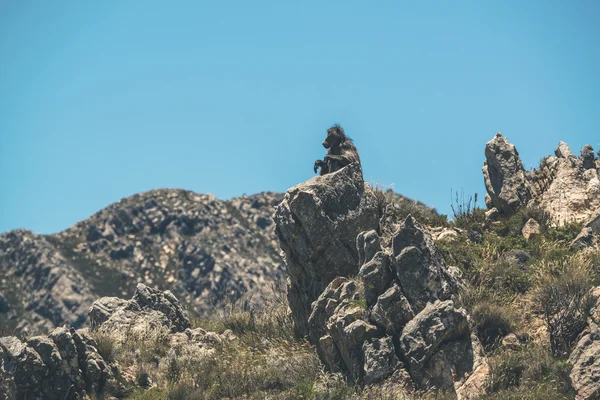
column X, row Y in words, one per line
column 367, row 244
column 504, row 176
column 438, row 323
column 419, row 267
column 530, row 229
column 317, row 224
column 588, row 159
column 147, row 307
column 563, row 150
column 380, row 360
column 392, row 311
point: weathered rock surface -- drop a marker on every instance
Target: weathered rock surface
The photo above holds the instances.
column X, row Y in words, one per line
column 204, row 250
column 149, row 308
column 63, row 365
column 566, row 187
column 530, row 229
column 67, row 364
column 317, row 223
column 399, row 318
column 504, row 175
column 585, row 357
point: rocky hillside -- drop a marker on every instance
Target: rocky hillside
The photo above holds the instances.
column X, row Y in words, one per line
column 206, row 251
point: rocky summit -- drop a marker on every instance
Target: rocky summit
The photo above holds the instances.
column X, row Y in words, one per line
column 208, row 252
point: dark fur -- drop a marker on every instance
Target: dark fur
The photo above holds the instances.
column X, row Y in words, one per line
column 340, row 151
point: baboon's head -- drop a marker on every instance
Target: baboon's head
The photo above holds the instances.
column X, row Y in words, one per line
column 335, row 137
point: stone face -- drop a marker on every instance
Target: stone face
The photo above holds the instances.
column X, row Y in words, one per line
column 317, row 224
column 148, row 307
column 338, row 327
column 392, row 311
column 504, row 176
column 530, row 229
column 437, row 324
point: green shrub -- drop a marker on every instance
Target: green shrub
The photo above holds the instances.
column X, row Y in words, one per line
column 105, row 345
column 491, row 323
column 531, row 371
column 565, row 301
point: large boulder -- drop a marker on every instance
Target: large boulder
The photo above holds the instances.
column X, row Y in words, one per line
column 63, row 365
column 149, row 307
column 504, row 175
column 317, row 223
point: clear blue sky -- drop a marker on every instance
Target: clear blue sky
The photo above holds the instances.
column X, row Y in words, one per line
column 103, row 99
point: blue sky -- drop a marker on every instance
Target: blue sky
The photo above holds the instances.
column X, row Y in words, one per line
column 101, row 100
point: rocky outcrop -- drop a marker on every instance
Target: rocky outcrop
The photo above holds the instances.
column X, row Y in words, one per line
column 398, row 318
column 504, row 175
column 204, row 250
column 566, row 187
column 585, row 357
column 68, row 363
column 148, row 309
column 317, row 223
column 63, row 365
column 571, row 192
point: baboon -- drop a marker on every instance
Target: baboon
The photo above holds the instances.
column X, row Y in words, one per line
column 340, row 151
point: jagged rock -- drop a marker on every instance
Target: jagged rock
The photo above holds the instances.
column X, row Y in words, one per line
column 585, row 357
column 419, row 267
column 531, row 228
column 62, row 365
column 588, row 159
column 376, row 276
column 594, row 223
column 317, row 224
column 504, row 176
column 568, row 188
column 584, row 239
column 3, row 304
column 338, row 328
column 436, row 324
column 380, row 360
column 398, row 281
column 392, row 311
column 205, row 251
column 563, row 150
column 148, row 307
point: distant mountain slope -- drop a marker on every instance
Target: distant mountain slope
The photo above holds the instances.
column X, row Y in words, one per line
column 206, row 251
